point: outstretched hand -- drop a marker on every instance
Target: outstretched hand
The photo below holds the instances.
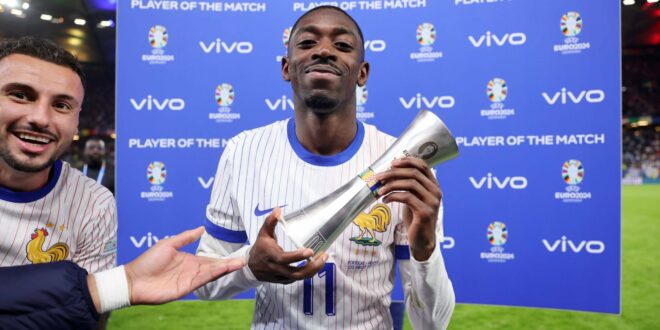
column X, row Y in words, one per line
column 164, row 273
column 269, row 263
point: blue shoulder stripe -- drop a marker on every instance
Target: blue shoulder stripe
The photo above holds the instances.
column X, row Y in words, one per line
column 231, row 236
column 402, row 252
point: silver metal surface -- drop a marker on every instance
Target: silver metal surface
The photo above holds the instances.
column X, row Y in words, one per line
column 317, row 225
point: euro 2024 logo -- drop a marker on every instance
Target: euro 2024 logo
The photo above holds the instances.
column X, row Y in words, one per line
column 497, row 91
column 158, row 39
column 285, row 37
column 156, row 175
column 285, row 40
column 572, row 173
column 426, row 37
column 498, row 235
column 426, row 34
column 361, row 97
column 571, row 25
column 224, row 98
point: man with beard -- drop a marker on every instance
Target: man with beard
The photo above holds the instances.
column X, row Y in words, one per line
column 96, row 166
column 293, row 162
column 48, row 210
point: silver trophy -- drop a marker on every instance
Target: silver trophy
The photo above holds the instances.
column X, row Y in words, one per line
column 317, row 225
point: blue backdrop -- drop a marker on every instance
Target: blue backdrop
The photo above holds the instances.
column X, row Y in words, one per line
column 530, row 89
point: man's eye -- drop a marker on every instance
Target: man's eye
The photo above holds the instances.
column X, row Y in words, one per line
column 62, row 106
column 344, row 46
column 306, row 43
column 18, row 95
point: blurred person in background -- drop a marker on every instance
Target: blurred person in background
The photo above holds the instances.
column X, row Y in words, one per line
column 96, row 165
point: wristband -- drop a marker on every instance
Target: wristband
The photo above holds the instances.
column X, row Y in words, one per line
column 112, row 287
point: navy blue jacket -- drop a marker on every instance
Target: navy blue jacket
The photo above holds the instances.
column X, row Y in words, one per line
column 46, row 296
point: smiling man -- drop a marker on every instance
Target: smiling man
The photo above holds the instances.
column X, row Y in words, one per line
column 294, row 162
column 48, row 210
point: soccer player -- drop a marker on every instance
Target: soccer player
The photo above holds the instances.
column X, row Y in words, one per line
column 48, row 210
column 294, row 162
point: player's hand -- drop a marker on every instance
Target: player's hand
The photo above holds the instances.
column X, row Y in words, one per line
column 269, row 263
column 164, row 273
column 411, row 182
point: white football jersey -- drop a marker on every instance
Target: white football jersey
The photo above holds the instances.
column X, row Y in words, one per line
column 70, row 218
column 268, row 167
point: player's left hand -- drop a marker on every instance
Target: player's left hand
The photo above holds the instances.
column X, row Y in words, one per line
column 164, row 273
column 411, row 182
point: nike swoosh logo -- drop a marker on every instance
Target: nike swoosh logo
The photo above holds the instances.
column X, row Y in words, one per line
column 259, row 212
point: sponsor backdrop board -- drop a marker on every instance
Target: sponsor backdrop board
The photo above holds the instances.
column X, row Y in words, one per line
column 530, row 89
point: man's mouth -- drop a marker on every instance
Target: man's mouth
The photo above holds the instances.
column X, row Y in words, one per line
column 323, row 68
column 34, row 138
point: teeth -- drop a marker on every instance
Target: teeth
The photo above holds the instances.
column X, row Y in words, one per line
column 33, row 138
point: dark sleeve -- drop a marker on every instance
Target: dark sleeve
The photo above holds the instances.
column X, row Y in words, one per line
column 46, row 296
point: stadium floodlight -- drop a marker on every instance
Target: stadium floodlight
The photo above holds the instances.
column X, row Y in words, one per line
column 17, row 12
column 26, row 5
column 628, row 2
column 105, row 24
column 79, row 21
column 46, row 17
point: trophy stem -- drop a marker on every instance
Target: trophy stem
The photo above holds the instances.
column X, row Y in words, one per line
column 319, row 224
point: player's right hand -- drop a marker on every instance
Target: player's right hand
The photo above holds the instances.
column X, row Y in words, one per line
column 269, row 263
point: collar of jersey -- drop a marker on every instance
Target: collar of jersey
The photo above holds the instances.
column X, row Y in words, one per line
column 320, row 160
column 31, row 196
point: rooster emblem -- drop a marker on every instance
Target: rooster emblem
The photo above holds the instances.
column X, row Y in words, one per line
column 376, row 220
column 36, row 254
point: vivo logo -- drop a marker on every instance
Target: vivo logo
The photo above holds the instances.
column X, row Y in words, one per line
column 150, row 240
column 566, row 245
column 282, row 103
column 420, row 102
column 218, row 46
column 490, row 39
column 489, row 181
column 206, row 184
column 564, row 96
column 151, row 103
column 375, row 46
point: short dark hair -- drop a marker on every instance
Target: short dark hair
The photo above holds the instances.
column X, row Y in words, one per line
column 43, row 50
column 95, row 138
column 295, row 25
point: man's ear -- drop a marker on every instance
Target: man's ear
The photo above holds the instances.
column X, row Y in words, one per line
column 285, row 69
column 363, row 76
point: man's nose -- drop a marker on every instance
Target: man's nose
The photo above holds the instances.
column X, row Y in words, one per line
column 40, row 114
column 325, row 50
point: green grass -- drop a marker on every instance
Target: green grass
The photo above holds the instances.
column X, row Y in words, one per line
column 641, row 291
